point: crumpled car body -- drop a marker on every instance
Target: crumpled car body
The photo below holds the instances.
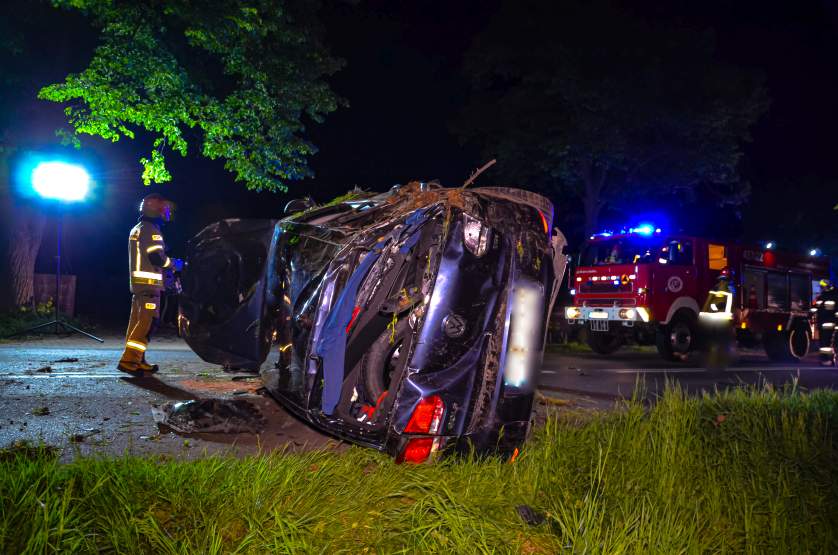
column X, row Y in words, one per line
column 411, row 321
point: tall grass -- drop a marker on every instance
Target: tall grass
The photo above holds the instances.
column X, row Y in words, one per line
column 742, row 471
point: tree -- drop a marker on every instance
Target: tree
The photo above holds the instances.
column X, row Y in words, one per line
column 22, row 226
column 238, row 77
column 586, row 99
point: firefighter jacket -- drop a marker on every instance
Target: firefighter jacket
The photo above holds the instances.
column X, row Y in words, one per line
column 147, row 257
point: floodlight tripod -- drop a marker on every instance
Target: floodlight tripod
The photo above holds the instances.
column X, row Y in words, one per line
column 57, row 321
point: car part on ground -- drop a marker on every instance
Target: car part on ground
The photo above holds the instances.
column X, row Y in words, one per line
column 411, row 321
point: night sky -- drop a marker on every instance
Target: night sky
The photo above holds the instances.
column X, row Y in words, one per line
column 404, row 83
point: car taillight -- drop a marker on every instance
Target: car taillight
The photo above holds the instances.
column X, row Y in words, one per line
column 475, row 235
column 426, row 419
column 426, row 416
column 417, row 450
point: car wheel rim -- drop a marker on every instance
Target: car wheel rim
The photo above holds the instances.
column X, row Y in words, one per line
column 680, row 338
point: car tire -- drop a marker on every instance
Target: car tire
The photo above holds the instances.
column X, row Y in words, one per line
column 788, row 346
column 379, row 365
column 678, row 338
column 603, row 343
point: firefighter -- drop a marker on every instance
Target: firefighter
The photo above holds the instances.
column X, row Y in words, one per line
column 716, row 320
column 147, row 262
column 826, row 320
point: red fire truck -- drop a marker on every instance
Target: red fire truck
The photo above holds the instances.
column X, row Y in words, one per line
column 649, row 287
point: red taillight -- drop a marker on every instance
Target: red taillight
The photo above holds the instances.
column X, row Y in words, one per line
column 417, row 450
column 426, row 416
column 426, row 419
column 544, row 222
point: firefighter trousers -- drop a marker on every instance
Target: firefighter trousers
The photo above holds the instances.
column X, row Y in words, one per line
column 145, row 312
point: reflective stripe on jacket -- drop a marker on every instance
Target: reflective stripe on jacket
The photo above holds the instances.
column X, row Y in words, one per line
column 146, row 257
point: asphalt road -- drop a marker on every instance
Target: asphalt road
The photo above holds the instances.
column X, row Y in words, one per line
column 67, row 393
column 617, row 375
column 82, row 404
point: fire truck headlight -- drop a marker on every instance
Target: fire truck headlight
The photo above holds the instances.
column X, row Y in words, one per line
column 572, row 312
column 643, row 313
column 627, row 313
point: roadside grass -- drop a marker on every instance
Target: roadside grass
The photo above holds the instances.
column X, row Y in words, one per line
column 19, row 320
column 744, row 471
column 580, row 347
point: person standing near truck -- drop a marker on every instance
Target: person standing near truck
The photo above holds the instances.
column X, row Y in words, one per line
column 826, row 319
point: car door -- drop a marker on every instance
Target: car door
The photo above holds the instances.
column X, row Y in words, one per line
column 227, row 308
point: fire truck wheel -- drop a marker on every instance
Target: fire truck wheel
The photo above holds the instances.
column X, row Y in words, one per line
column 788, row 345
column 603, row 343
column 676, row 339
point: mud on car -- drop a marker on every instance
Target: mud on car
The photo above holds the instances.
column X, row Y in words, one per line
column 411, row 321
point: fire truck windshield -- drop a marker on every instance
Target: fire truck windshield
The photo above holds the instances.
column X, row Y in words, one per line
column 619, row 251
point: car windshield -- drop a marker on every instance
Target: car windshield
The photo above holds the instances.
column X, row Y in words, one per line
column 619, row 251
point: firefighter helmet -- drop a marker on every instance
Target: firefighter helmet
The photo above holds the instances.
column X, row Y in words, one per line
column 158, row 207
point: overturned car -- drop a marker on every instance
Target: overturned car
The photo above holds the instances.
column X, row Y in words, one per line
column 411, row 321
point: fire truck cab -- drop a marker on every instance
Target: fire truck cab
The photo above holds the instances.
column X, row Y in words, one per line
column 649, row 286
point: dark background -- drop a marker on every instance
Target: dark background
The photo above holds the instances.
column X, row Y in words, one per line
column 404, row 84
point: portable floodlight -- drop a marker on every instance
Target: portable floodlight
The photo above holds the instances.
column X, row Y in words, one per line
column 60, row 181
column 64, row 182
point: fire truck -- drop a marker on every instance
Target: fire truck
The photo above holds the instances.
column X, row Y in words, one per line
column 648, row 286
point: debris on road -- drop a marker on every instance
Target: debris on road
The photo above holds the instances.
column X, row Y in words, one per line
column 40, row 411
column 210, row 416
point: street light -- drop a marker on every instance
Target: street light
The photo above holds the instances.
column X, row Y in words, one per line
column 63, row 182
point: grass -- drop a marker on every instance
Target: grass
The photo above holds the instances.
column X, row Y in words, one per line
column 579, row 347
column 737, row 472
column 16, row 321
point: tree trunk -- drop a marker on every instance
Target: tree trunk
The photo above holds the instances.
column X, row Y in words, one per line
column 24, row 243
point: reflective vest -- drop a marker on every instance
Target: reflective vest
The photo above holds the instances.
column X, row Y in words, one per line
column 147, row 257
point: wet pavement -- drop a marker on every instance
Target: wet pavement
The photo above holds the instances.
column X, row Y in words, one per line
column 66, row 392
column 616, row 376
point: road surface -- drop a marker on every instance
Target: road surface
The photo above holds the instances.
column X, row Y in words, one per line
column 67, row 393
column 616, row 376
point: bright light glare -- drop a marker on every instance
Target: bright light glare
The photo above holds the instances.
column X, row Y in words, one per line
column 60, row 181
column 644, row 229
column 524, row 336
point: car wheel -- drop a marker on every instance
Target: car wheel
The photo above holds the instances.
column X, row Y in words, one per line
column 386, row 359
column 791, row 345
column 677, row 339
column 604, row 343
